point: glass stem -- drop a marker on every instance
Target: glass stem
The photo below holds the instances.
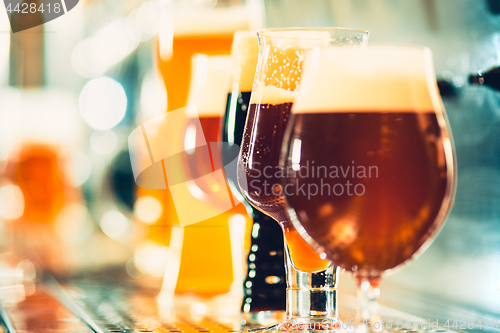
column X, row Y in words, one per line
column 368, row 294
column 311, row 297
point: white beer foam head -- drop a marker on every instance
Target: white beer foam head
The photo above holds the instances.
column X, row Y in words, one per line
column 218, row 21
column 389, row 78
column 272, row 95
column 245, row 53
column 210, row 79
column 283, row 51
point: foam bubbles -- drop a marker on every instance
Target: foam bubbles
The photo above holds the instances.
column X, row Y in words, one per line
column 273, row 95
column 387, row 78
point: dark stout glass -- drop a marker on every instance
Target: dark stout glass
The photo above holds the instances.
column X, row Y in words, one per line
column 381, row 179
column 261, row 158
column 260, row 168
column 233, row 124
column 266, row 289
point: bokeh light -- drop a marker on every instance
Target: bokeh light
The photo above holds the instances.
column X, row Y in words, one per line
column 147, row 18
column 103, row 142
column 115, row 225
column 148, row 209
column 11, row 202
column 103, row 103
column 76, row 165
column 73, row 223
column 153, row 96
column 151, row 258
column 93, row 56
column 26, row 269
column 132, row 270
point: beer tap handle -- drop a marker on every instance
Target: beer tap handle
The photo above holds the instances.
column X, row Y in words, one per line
column 490, row 78
column 493, row 6
column 447, row 88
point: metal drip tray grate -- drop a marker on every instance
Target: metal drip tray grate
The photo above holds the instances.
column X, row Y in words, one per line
column 127, row 310
column 101, row 308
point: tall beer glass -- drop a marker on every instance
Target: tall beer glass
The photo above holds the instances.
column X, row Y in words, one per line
column 264, row 287
column 188, row 32
column 214, row 244
column 182, row 34
column 372, row 129
column 311, row 281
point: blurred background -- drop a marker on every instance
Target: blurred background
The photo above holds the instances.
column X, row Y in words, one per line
column 73, row 89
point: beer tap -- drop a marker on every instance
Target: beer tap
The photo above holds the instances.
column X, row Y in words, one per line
column 490, row 78
column 449, row 87
column 493, row 6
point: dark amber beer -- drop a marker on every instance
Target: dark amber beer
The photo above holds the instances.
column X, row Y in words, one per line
column 263, row 189
column 377, row 188
column 368, row 158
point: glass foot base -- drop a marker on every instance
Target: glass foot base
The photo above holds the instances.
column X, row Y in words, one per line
column 262, row 319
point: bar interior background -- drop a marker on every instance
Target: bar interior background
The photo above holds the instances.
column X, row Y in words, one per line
column 44, row 70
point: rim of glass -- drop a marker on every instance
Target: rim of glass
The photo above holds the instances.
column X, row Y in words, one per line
column 271, row 32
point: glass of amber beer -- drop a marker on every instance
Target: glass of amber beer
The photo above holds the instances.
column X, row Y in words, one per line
column 311, row 280
column 370, row 126
column 210, row 235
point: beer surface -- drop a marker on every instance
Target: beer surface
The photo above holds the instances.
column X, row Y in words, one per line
column 373, row 184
